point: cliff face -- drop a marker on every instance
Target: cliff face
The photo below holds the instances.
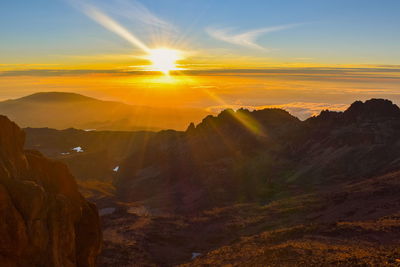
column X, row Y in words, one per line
column 44, row 221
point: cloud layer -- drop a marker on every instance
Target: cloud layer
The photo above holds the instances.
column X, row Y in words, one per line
column 314, row 73
column 302, row 110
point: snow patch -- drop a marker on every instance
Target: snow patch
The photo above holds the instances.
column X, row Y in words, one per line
column 139, row 210
column 77, row 149
column 116, row 169
column 89, row 130
column 195, row 255
column 65, row 153
column 106, row 211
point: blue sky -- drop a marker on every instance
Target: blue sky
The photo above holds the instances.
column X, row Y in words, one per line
column 331, row 32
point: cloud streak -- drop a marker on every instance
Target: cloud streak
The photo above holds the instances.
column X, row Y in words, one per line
column 314, row 73
column 135, row 11
column 246, row 39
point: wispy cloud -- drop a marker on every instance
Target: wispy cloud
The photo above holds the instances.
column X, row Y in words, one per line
column 136, row 11
column 246, row 39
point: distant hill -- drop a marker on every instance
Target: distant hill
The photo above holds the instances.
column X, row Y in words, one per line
column 61, row 110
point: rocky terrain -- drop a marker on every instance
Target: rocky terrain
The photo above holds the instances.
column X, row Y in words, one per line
column 261, row 156
column 252, row 188
column 349, row 224
column 90, row 155
column 44, row 220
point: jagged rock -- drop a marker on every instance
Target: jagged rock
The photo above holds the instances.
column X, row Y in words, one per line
column 373, row 109
column 191, row 128
column 44, row 221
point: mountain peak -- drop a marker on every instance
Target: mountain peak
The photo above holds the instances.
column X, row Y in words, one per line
column 56, row 96
column 230, row 119
column 372, row 109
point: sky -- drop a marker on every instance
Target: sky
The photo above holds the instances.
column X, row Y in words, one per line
column 252, row 53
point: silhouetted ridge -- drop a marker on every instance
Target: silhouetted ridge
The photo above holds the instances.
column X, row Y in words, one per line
column 56, row 96
column 243, row 118
column 191, row 128
column 372, row 109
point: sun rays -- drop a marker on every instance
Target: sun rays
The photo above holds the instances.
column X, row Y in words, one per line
column 164, row 59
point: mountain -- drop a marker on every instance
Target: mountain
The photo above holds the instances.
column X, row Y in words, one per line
column 205, row 166
column 260, row 155
column 254, row 188
column 50, row 97
column 247, row 188
column 65, row 110
column 44, row 221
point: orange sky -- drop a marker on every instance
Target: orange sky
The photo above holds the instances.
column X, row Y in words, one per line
column 301, row 56
column 214, row 88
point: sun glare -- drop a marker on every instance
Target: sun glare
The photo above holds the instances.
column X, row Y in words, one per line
column 164, row 59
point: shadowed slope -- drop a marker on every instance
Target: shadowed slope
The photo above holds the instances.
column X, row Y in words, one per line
column 350, row 224
column 262, row 155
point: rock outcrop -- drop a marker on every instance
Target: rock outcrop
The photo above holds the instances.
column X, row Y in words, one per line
column 44, row 221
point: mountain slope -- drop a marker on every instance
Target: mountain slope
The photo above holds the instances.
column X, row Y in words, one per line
column 65, row 110
column 350, row 224
column 253, row 189
column 44, row 220
column 100, row 151
column 262, row 155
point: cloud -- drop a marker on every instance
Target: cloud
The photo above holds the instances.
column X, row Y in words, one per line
column 246, row 39
column 73, row 72
column 136, row 11
column 302, row 110
column 130, row 10
column 370, row 74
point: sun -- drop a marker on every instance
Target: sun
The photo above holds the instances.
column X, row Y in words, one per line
column 164, row 59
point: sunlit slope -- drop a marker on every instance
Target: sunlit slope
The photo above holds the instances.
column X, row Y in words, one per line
column 63, row 110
